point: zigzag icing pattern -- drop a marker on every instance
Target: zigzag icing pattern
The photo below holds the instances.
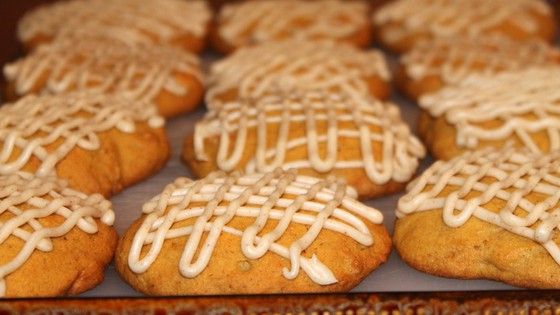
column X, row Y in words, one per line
column 258, row 196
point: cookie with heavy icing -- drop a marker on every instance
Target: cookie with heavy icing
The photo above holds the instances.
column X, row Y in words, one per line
column 431, row 65
column 362, row 140
column 54, row 240
column 490, row 214
column 403, row 23
column 166, row 76
column 99, row 143
column 519, row 106
column 253, row 22
column 297, row 66
column 170, row 22
column 276, row 232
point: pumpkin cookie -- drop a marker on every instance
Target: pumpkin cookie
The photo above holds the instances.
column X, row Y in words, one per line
column 362, row 140
column 490, row 214
column 401, row 24
column 431, row 65
column 276, row 232
column 520, row 106
column 171, row 22
column 98, row 143
column 54, row 241
column 297, row 66
column 166, row 76
column 253, row 22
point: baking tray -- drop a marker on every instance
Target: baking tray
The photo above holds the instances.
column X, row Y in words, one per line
column 392, row 288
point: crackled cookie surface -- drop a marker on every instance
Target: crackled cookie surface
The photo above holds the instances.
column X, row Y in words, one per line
column 363, row 140
column 54, row 241
column 100, row 143
column 401, row 24
column 432, row 65
column 226, row 234
column 166, row 76
column 297, row 66
column 254, row 22
column 489, row 214
column 520, row 106
column 171, row 22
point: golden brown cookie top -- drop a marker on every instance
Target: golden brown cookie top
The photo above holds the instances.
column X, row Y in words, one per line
column 250, row 22
column 507, row 105
column 281, row 196
column 102, row 65
column 296, row 65
column 26, row 205
column 129, row 21
column 30, row 125
column 511, row 188
column 327, row 119
column 454, row 58
column 441, row 18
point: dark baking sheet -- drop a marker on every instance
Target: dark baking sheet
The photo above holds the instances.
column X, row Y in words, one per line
column 392, row 287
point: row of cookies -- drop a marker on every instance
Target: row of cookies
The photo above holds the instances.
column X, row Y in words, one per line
column 488, row 208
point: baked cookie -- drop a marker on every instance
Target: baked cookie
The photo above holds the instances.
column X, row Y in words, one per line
column 99, row 143
column 253, row 22
column 402, row 23
column 431, row 65
column 275, row 232
column 54, row 241
column 166, row 76
column 363, row 140
column 297, row 66
column 172, row 22
column 520, row 106
column 487, row 214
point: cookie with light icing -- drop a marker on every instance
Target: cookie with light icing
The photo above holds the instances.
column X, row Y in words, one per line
column 246, row 23
column 518, row 106
column 362, row 140
column 166, row 76
column 168, row 22
column 99, row 143
column 432, row 65
column 297, row 66
column 54, row 240
column 490, row 214
column 401, row 24
column 275, row 232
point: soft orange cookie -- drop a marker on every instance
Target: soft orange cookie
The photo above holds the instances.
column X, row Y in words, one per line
column 54, row 241
column 275, row 232
column 401, row 24
column 362, row 140
column 166, row 76
column 491, row 214
column 518, row 106
column 100, row 143
column 297, row 66
column 431, row 65
column 252, row 22
column 172, row 22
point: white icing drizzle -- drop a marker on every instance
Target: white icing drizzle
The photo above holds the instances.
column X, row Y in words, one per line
column 103, row 65
column 318, row 204
column 492, row 177
column 400, row 149
column 453, row 17
column 251, row 22
column 524, row 101
column 295, row 65
column 129, row 21
column 454, row 58
column 35, row 122
column 28, row 199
